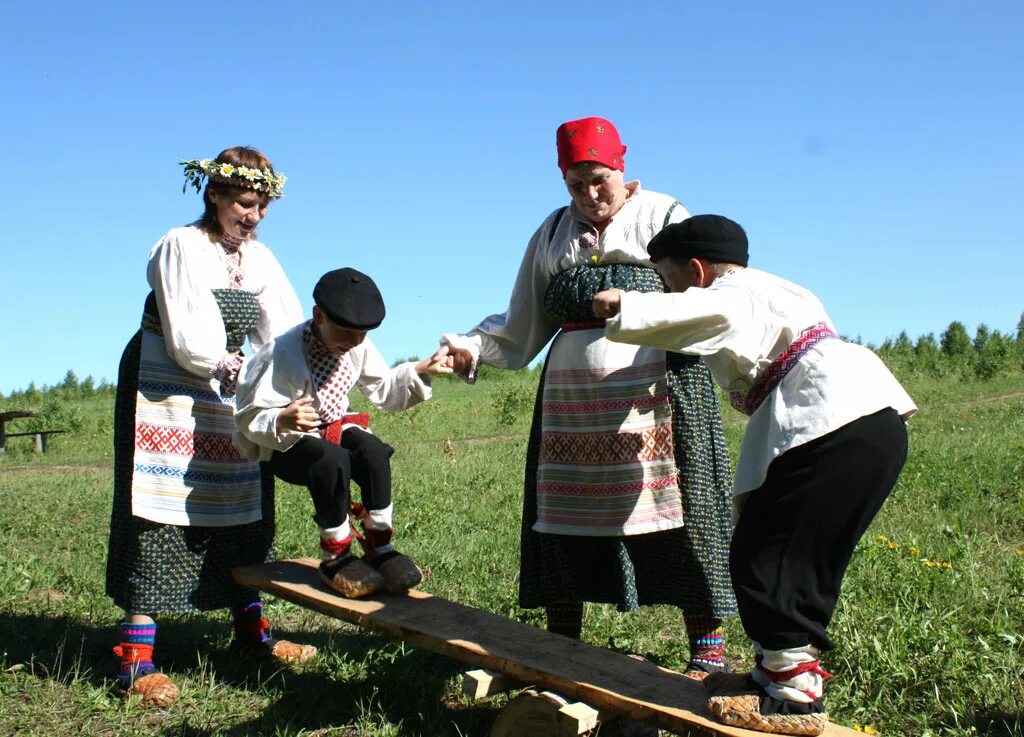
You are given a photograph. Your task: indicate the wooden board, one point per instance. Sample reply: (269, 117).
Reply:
(604, 679)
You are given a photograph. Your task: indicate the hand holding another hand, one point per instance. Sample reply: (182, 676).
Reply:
(439, 363)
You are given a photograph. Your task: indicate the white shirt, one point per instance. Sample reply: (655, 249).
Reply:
(184, 266)
(278, 374)
(740, 324)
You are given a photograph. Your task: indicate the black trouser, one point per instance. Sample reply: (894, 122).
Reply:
(797, 532)
(327, 470)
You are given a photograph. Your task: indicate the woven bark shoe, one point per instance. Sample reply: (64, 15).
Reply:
(290, 653)
(399, 572)
(154, 689)
(745, 710)
(353, 578)
(279, 652)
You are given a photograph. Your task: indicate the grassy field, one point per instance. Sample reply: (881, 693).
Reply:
(930, 629)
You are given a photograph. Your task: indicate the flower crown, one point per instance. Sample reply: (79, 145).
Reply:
(240, 176)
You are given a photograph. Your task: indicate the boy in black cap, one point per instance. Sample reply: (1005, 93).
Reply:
(293, 413)
(823, 448)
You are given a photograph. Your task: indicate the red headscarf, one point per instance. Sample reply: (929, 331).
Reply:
(589, 139)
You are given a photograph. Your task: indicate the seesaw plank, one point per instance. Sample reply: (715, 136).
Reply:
(604, 679)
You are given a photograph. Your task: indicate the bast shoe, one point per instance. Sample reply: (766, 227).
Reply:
(399, 572)
(290, 653)
(351, 577)
(283, 653)
(153, 689)
(762, 713)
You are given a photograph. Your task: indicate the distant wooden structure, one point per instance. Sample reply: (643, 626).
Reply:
(40, 435)
(589, 684)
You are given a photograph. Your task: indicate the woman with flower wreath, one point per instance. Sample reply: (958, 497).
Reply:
(187, 507)
(627, 493)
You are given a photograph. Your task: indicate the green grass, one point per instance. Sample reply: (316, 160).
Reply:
(930, 627)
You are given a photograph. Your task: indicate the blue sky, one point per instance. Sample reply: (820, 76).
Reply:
(872, 150)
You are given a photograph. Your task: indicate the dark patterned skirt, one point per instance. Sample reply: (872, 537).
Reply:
(153, 567)
(687, 567)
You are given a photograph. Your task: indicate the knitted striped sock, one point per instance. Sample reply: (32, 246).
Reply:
(565, 619)
(136, 651)
(707, 640)
(251, 628)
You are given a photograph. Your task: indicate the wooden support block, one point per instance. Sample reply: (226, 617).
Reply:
(481, 684)
(579, 718)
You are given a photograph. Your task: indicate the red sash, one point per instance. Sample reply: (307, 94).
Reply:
(766, 383)
(332, 432)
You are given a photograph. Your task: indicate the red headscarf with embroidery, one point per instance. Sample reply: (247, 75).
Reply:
(589, 139)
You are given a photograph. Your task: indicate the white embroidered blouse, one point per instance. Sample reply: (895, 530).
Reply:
(739, 325)
(514, 338)
(184, 266)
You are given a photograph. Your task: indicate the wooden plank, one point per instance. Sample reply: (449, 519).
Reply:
(606, 680)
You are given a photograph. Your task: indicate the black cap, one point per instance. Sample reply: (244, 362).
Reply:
(713, 237)
(350, 299)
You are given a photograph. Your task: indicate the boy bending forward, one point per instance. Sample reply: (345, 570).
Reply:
(824, 445)
(293, 414)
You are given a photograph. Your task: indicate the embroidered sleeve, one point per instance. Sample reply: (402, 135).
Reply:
(226, 374)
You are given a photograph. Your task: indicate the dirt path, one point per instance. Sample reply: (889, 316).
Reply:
(96, 465)
(997, 398)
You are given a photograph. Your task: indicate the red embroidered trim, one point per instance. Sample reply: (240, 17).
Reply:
(583, 325)
(776, 372)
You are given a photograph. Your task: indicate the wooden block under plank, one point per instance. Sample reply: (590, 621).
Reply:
(480, 684)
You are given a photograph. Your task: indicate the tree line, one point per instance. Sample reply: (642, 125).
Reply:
(955, 354)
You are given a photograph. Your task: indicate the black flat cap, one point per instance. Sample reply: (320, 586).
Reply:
(350, 299)
(713, 237)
